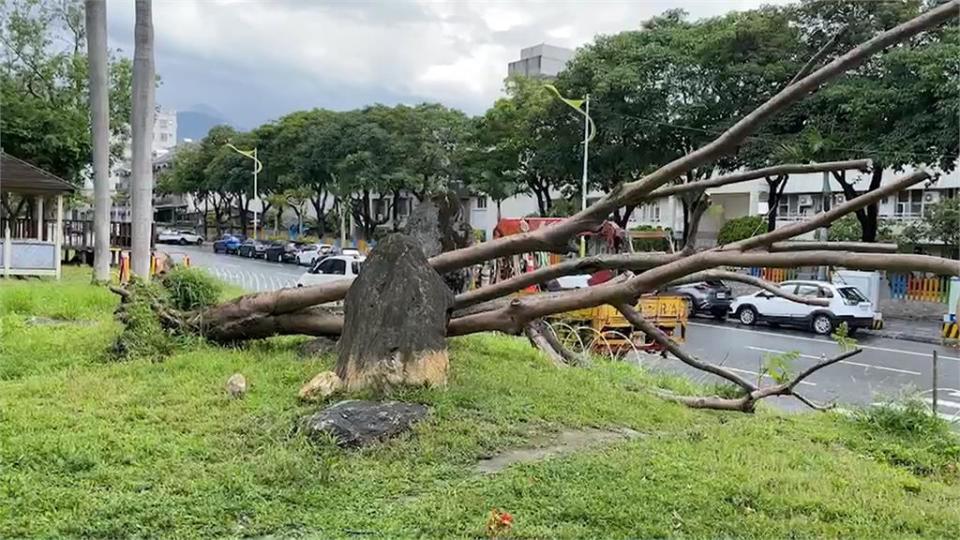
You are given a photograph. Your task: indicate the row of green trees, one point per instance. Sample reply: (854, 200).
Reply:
(656, 93)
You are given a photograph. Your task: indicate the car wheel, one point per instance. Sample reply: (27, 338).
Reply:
(182, 241)
(747, 315)
(200, 241)
(822, 324)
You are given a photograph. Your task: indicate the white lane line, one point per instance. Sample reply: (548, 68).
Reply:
(943, 403)
(754, 373)
(848, 362)
(824, 341)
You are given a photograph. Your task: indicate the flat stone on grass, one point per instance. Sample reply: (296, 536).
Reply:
(359, 423)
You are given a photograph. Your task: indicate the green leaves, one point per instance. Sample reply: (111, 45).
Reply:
(43, 86)
(778, 366)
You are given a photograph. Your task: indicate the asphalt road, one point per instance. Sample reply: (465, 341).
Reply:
(254, 275)
(887, 368)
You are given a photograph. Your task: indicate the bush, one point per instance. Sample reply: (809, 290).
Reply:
(911, 418)
(191, 288)
(143, 336)
(741, 228)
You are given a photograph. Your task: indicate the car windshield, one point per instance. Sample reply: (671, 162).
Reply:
(852, 295)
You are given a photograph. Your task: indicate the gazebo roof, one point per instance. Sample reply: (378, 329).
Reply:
(18, 176)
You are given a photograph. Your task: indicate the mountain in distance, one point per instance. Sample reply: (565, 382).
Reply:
(196, 121)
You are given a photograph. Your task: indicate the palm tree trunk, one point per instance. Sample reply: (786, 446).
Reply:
(144, 87)
(96, 21)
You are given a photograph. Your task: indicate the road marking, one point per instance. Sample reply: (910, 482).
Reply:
(943, 403)
(748, 372)
(848, 362)
(824, 341)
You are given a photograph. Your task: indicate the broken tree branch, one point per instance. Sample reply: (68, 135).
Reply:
(557, 236)
(818, 57)
(748, 402)
(744, 176)
(773, 289)
(855, 247)
(566, 268)
(648, 328)
(826, 218)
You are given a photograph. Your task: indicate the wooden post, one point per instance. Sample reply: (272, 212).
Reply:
(934, 401)
(39, 216)
(7, 250)
(58, 237)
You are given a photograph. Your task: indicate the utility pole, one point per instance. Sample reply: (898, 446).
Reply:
(822, 233)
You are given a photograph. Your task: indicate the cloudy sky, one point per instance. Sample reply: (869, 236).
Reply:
(255, 60)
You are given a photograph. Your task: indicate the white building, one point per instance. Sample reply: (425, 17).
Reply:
(802, 198)
(541, 61)
(164, 139)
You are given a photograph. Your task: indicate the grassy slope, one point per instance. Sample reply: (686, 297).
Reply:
(97, 448)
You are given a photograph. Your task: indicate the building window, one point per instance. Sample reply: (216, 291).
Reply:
(164, 137)
(481, 203)
(163, 123)
(909, 204)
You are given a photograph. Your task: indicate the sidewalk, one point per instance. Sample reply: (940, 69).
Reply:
(923, 331)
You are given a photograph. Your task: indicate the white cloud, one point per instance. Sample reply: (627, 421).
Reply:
(453, 52)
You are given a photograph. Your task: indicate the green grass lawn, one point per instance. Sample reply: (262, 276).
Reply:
(98, 448)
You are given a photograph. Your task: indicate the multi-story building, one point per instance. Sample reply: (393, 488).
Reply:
(540, 61)
(802, 198)
(164, 140)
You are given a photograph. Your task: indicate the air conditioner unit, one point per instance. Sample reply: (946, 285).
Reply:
(928, 197)
(839, 199)
(805, 200)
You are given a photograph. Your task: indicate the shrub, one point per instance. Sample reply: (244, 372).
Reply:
(143, 336)
(911, 418)
(741, 228)
(191, 288)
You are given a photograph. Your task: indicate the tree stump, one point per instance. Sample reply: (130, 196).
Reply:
(395, 321)
(437, 224)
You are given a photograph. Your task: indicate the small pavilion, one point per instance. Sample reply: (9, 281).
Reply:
(31, 246)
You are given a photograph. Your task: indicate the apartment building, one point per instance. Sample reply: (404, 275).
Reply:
(802, 198)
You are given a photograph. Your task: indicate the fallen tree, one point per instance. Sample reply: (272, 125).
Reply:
(300, 311)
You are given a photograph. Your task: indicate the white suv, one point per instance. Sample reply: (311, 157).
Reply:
(332, 268)
(846, 304)
(179, 237)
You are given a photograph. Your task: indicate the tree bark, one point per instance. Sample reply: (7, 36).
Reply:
(96, 27)
(144, 87)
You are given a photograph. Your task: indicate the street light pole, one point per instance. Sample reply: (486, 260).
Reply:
(257, 166)
(256, 194)
(583, 193)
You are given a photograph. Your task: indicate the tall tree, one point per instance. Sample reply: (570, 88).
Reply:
(144, 87)
(44, 86)
(660, 92)
(96, 21)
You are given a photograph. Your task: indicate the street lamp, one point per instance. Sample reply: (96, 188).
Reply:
(589, 131)
(257, 167)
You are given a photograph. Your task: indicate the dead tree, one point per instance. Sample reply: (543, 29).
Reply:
(298, 311)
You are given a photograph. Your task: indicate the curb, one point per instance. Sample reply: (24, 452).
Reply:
(933, 340)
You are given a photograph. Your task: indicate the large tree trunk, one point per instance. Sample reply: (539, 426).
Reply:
(96, 23)
(395, 321)
(144, 87)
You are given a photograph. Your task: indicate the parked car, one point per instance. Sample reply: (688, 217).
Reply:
(290, 252)
(846, 304)
(227, 243)
(708, 297)
(332, 268)
(273, 251)
(310, 254)
(252, 249)
(183, 238)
